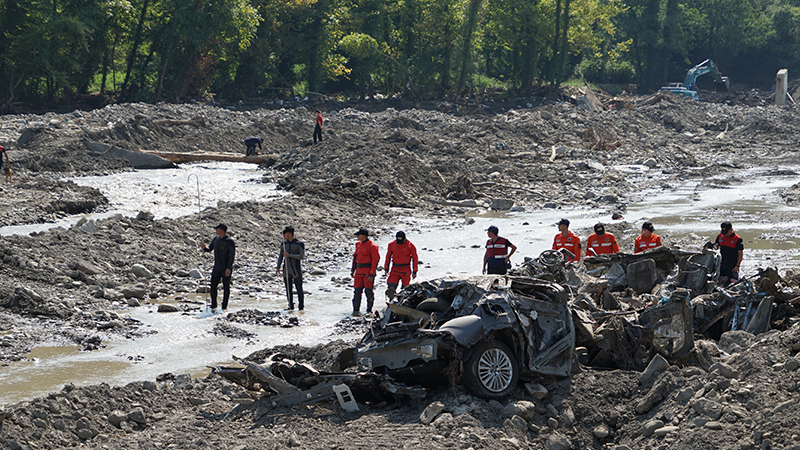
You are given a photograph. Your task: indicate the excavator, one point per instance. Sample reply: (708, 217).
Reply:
(687, 88)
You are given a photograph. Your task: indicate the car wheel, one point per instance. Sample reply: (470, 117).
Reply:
(491, 371)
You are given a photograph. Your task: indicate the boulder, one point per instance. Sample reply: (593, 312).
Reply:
(167, 308)
(642, 275)
(522, 408)
(137, 291)
(196, 273)
(724, 369)
(137, 415)
(536, 390)
(141, 271)
(501, 204)
(708, 408)
(138, 160)
(650, 162)
(430, 413)
(85, 267)
(657, 364)
(601, 431)
(650, 427)
(116, 418)
(557, 441)
(89, 227)
(145, 215)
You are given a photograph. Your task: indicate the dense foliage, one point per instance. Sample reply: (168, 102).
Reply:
(177, 50)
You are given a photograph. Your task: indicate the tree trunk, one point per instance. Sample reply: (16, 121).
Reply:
(137, 41)
(562, 62)
(470, 22)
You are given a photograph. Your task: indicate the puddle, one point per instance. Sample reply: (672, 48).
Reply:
(447, 247)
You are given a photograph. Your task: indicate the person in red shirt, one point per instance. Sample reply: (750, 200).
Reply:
(567, 240)
(601, 243)
(318, 127)
(365, 263)
(403, 256)
(497, 259)
(731, 249)
(647, 240)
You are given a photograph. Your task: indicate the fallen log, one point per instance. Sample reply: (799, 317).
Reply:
(179, 158)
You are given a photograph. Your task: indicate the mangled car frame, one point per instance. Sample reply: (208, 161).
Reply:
(487, 332)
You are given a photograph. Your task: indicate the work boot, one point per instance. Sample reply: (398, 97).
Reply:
(390, 293)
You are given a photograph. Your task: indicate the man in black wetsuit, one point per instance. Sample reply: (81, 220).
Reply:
(731, 248)
(291, 253)
(224, 251)
(251, 144)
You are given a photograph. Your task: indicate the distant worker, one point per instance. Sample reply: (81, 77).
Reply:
(497, 259)
(318, 127)
(224, 252)
(365, 263)
(251, 144)
(7, 169)
(403, 256)
(291, 253)
(601, 243)
(731, 248)
(567, 240)
(647, 240)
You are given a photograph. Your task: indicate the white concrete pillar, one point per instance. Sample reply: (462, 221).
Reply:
(781, 85)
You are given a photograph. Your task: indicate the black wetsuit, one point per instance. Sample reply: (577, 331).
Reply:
(224, 252)
(251, 144)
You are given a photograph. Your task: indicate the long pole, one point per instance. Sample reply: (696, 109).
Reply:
(200, 233)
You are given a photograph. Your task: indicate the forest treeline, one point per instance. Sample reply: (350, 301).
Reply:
(54, 51)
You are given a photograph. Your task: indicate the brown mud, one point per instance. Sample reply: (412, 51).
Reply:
(377, 162)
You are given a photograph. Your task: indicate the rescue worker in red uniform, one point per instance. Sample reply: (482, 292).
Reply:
(567, 240)
(497, 259)
(601, 243)
(731, 249)
(365, 263)
(403, 256)
(647, 240)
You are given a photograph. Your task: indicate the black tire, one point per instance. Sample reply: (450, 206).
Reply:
(491, 371)
(433, 304)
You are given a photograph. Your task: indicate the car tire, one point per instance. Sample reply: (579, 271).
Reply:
(491, 371)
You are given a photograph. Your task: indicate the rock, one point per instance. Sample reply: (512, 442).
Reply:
(89, 227)
(684, 395)
(713, 425)
(601, 431)
(501, 204)
(610, 198)
(552, 423)
(732, 341)
(116, 418)
(196, 273)
(413, 142)
(197, 401)
(557, 441)
(445, 420)
(663, 431)
(616, 216)
(522, 408)
(568, 415)
(86, 433)
(519, 422)
(493, 159)
(85, 267)
(141, 271)
(137, 415)
(791, 364)
(350, 136)
(137, 291)
(110, 324)
(536, 390)
(545, 115)
(145, 215)
(316, 272)
(642, 275)
(650, 162)
(430, 413)
(167, 308)
(724, 369)
(708, 408)
(650, 427)
(657, 364)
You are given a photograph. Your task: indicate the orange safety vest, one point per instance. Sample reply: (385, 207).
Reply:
(572, 243)
(602, 245)
(646, 243)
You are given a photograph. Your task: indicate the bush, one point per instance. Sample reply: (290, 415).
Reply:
(599, 71)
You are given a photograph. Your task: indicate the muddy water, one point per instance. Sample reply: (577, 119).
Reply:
(447, 247)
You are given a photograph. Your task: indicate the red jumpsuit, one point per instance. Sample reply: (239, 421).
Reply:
(365, 262)
(572, 243)
(602, 245)
(402, 256)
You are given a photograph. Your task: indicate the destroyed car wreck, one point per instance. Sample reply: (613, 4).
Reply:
(547, 318)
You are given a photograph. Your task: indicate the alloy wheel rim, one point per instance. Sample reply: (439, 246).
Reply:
(495, 370)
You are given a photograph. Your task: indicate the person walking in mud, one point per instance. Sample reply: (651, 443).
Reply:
(291, 253)
(567, 240)
(403, 256)
(7, 169)
(251, 143)
(318, 127)
(224, 252)
(365, 263)
(497, 259)
(648, 240)
(731, 250)
(601, 242)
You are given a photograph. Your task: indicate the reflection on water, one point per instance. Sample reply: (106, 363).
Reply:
(447, 247)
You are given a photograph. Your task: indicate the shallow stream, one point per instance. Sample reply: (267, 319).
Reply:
(447, 246)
